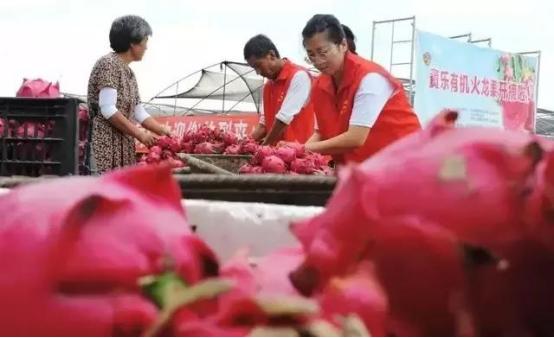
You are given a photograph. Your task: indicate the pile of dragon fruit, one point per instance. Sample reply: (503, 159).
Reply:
(164, 151)
(33, 131)
(289, 158)
(446, 232)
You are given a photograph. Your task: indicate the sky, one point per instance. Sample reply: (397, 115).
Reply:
(61, 40)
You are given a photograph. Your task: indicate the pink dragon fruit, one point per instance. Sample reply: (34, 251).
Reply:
(273, 164)
(156, 150)
(153, 158)
(246, 169)
(304, 166)
(81, 254)
(167, 154)
(261, 153)
(205, 148)
(233, 149)
(469, 169)
(229, 139)
(187, 147)
(257, 170)
(249, 147)
(164, 142)
(298, 148)
(359, 293)
(477, 188)
(38, 88)
(287, 154)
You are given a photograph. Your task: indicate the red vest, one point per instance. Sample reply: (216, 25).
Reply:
(302, 126)
(334, 108)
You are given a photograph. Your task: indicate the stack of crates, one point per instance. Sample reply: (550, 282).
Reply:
(39, 136)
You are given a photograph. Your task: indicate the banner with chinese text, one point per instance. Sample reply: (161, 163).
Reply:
(488, 87)
(240, 124)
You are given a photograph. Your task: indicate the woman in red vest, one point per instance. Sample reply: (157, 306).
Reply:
(287, 111)
(360, 107)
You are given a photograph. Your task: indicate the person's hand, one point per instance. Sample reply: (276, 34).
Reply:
(166, 131)
(148, 139)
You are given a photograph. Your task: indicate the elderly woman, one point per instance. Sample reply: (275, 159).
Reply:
(114, 99)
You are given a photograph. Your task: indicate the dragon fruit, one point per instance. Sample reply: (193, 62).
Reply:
(187, 147)
(299, 149)
(359, 293)
(249, 147)
(80, 255)
(233, 149)
(273, 164)
(262, 153)
(246, 169)
(2, 126)
(167, 154)
(164, 142)
(287, 154)
(271, 271)
(153, 158)
(38, 88)
(205, 148)
(482, 189)
(303, 166)
(31, 130)
(229, 139)
(257, 170)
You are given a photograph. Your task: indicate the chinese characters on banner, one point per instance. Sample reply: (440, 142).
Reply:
(488, 87)
(505, 91)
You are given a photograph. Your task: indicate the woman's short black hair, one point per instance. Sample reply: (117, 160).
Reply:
(126, 30)
(350, 38)
(320, 23)
(259, 46)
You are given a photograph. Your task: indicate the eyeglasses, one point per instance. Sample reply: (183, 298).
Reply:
(321, 53)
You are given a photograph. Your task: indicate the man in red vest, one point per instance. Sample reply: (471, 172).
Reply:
(287, 110)
(360, 107)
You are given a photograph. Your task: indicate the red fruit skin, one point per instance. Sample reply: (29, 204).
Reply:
(273, 164)
(287, 154)
(63, 258)
(303, 166)
(232, 150)
(359, 293)
(262, 152)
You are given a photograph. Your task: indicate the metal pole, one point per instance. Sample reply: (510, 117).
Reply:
(372, 39)
(488, 41)
(391, 47)
(175, 104)
(395, 20)
(412, 62)
(468, 35)
(181, 79)
(537, 91)
(224, 85)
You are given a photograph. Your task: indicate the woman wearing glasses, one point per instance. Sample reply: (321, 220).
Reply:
(360, 107)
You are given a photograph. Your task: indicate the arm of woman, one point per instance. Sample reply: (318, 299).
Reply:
(107, 102)
(354, 137)
(148, 122)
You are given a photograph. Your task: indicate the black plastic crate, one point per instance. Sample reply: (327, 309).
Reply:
(38, 137)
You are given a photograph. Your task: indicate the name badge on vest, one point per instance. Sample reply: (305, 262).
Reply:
(344, 107)
(281, 97)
